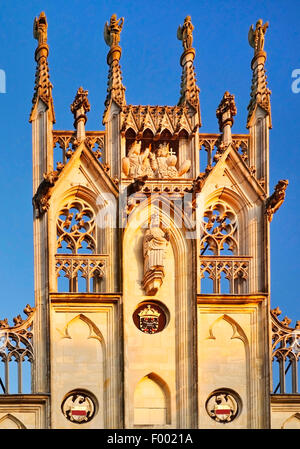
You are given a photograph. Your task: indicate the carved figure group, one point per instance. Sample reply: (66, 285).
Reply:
(160, 164)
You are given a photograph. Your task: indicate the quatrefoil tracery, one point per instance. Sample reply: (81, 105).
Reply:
(219, 229)
(76, 227)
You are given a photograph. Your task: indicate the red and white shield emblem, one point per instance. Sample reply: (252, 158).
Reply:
(223, 412)
(79, 413)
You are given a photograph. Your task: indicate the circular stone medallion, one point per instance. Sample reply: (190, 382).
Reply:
(150, 318)
(79, 406)
(223, 405)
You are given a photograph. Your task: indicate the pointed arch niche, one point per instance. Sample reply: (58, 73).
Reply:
(177, 341)
(293, 422)
(9, 421)
(152, 402)
(227, 343)
(225, 260)
(83, 359)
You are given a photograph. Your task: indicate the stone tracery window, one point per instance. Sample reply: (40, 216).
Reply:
(17, 354)
(222, 269)
(76, 258)
(219, 230)
(76, 228)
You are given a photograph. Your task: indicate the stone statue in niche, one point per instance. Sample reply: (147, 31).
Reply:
(161, 164)
(155, 243)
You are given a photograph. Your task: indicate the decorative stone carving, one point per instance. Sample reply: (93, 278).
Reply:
(260, 94)
(154, 246)
(164, 164)
(89, 268)
(161, 164)
(80, 106)
(40, 29)
(112, 31)
(76, 226)
(286, 351)
(79, 407)
(41, 198)
(223, 406)
(185, 33)
(256, 38)
(274, 202)
(136, 164)
(226, 111)
(175, 119)
(16, 345)
(43, 86)
(150, 318)
(233, 268)
(115, 88)
(219, 228)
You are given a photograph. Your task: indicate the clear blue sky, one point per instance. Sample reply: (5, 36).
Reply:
(151, 74)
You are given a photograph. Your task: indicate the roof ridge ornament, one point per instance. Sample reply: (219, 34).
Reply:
(43, 86)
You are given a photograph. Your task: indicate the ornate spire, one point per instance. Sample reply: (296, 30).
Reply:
(189, 93)
(43, 86)
(225, 113)
(115, 89)
(79, 107)
(260, 94)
